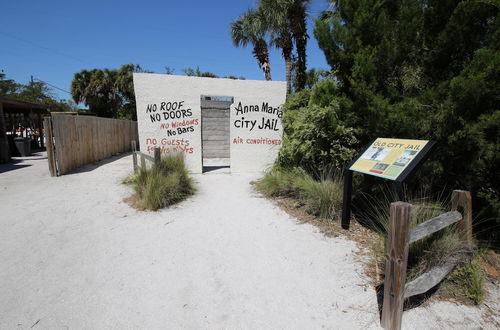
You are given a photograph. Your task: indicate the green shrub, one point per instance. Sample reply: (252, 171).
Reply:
(298, 100)
(467, 281)
(162, 185)
(323, 93)
(315, 139)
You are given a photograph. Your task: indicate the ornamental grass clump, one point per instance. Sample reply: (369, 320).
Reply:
(321, 197)
(162, 185)
(280, 182)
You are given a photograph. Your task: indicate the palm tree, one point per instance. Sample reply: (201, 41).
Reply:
(79, 86)
(297, 19)
(282, 39)
(286, 22)
(125, 85)
(107, 93)
(98, 90)
(250, 28)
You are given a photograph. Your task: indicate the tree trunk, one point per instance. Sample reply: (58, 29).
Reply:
(301, 63)
(261, 53)
(288, 74)
(266, 67)
(299, 32)
(286, 45)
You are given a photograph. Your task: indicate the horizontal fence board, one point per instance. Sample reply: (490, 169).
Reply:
(433, 225)
(215, 150)
(207, 131)
(215, 122)
(428, 280)
(216, 155)
(215, 114)
(216, 143)
(211, 104)
(222, 138)
(146, 156)
(210, 150)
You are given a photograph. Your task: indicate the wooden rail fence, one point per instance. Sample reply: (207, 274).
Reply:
(155, 160)
(400, 236)
(74, 141)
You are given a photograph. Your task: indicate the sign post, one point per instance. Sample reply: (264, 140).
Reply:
(391, 159)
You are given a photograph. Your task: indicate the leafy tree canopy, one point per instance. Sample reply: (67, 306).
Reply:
(107, 93)
(34, 91)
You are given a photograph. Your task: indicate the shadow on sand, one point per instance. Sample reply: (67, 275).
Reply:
(16, 163)
(12, 165)
(93, 166)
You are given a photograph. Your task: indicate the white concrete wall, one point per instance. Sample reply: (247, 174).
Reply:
(256, 136)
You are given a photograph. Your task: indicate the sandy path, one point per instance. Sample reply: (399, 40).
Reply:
(73, 255)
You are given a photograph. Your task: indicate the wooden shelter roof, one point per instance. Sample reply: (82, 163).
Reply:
(13, 105)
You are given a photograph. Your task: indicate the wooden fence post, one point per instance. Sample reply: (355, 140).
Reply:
(134, 156)
(143, 162)
(395, 269)
(47, 125)
(157, 156)
(462, 199)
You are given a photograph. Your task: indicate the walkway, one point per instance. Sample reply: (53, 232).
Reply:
(73, 255)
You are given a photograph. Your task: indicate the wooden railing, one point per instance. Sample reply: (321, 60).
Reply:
(143, 157)
(400, 236)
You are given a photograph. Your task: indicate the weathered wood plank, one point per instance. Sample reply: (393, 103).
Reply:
(157, 156)
(216, 145)
(134, 156)
(427, 281)
(215, 137)
(397, 259)
(47, 125)
(433, 225)
(60, 143)
(145, 156)
(215, 114)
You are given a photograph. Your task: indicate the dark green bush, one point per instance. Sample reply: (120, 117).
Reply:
(323, 93)
(314, 139)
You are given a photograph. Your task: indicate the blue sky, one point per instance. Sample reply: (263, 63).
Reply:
(52, 40)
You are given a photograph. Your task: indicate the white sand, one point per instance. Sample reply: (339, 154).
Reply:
(74, 255)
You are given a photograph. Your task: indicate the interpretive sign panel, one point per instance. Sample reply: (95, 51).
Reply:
(389, 158)
(392, 159)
